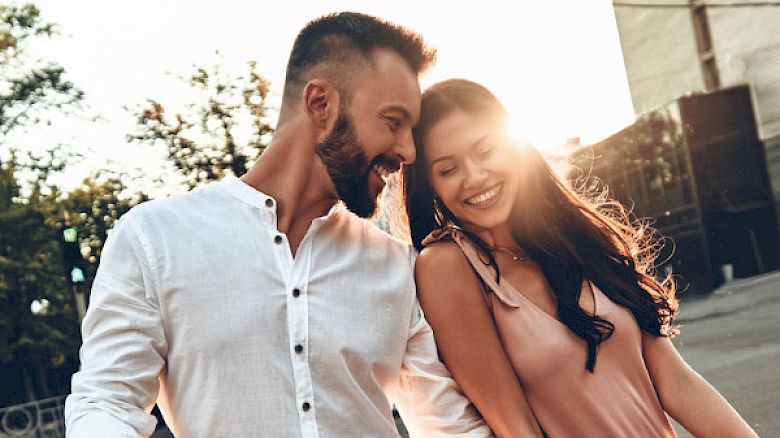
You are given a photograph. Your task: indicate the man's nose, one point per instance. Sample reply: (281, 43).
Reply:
(405, 147)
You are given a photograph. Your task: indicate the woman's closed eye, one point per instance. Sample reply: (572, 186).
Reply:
(447, 171)
(485, 151)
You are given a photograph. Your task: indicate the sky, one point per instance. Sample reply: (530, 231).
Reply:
(555, 64)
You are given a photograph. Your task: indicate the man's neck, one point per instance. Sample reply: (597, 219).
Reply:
(291, 173)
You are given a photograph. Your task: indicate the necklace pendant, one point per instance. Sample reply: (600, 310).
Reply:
(513, 255)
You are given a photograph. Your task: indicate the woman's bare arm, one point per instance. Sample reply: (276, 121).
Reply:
(453, 301)
(687, 397)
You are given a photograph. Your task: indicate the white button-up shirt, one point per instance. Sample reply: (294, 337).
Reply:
(199, 304)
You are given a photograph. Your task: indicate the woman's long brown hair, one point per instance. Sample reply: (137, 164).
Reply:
(573, 235)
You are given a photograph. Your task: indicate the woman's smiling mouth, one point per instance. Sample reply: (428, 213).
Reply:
(483, 199)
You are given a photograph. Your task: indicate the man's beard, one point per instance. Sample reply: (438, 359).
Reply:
(348, 167)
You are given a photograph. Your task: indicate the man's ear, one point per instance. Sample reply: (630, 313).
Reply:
(321, 103)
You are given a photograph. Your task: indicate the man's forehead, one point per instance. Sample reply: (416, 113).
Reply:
(391, 84)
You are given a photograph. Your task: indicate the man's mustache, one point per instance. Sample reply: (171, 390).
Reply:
(393, 164)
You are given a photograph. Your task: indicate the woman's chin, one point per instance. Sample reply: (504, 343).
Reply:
(486, 222)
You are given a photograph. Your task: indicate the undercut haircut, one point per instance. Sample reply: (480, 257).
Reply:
(335, 46)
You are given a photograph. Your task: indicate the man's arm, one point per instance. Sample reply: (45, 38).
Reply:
(430, 402)
(124, 344)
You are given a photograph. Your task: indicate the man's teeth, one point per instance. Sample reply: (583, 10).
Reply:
(484, 197)
(382, 171)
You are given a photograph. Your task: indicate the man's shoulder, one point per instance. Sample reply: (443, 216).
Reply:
(375, 244)
(189, 205)
(376, 237)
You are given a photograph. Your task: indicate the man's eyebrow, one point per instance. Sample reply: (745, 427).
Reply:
(401, 109)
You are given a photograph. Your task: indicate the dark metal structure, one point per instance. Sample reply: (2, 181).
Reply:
(698, 168)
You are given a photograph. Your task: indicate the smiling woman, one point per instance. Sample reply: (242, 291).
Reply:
(542, 297)
(472, 175)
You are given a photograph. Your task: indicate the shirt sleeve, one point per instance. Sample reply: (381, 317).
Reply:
(428, 399)
(124, 344)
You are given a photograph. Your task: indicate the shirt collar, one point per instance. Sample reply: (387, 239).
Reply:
(246, 193)
(256, 198)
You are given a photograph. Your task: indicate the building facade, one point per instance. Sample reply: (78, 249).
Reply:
(696, 167)
(672, 48)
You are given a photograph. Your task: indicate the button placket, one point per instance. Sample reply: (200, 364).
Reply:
(298, 312)
(298, 295)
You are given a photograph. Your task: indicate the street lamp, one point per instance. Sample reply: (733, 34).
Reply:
(74, 261)
(39, 307)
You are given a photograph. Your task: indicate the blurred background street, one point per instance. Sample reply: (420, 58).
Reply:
(732, 338)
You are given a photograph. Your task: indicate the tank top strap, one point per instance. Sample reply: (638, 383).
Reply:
(477, 261)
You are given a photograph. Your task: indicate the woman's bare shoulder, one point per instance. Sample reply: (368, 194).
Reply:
(442, 267)
(442, 255)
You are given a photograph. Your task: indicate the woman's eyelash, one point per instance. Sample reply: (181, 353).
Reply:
(486, 151)
(448, 171)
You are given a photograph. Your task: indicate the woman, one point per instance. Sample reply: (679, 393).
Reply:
(543, 303)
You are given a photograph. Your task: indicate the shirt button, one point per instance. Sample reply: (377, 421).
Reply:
(299, 348)
(278, 239)
(305, 406)
(269, 202)
(296, 292)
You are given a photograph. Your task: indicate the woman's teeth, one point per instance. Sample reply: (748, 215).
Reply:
(484, 197)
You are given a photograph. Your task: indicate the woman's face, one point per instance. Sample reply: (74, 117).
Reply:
(472, 167)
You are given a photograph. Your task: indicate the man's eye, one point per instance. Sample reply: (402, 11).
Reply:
(393, 123)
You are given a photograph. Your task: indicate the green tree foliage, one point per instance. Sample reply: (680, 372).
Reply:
(95, 207)
(37, 351)
(39, 327)
(221, 134)
(28, 87)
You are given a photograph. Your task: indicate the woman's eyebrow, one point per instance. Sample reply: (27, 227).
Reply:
(473, 145)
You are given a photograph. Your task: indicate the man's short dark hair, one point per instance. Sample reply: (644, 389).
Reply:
(345, 41)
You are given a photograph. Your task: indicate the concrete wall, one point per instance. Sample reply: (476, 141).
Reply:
(662, 62)
(747, 46)
(659, 51)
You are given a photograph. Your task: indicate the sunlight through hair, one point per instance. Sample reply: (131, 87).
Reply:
(516, 131)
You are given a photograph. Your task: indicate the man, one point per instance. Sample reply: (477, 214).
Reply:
(260, 307)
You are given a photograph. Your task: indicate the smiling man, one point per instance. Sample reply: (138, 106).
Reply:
(261, 306)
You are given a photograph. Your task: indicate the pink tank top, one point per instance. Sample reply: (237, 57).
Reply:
(616, 400)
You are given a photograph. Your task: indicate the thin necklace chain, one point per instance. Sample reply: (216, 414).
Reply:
(516, 256)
